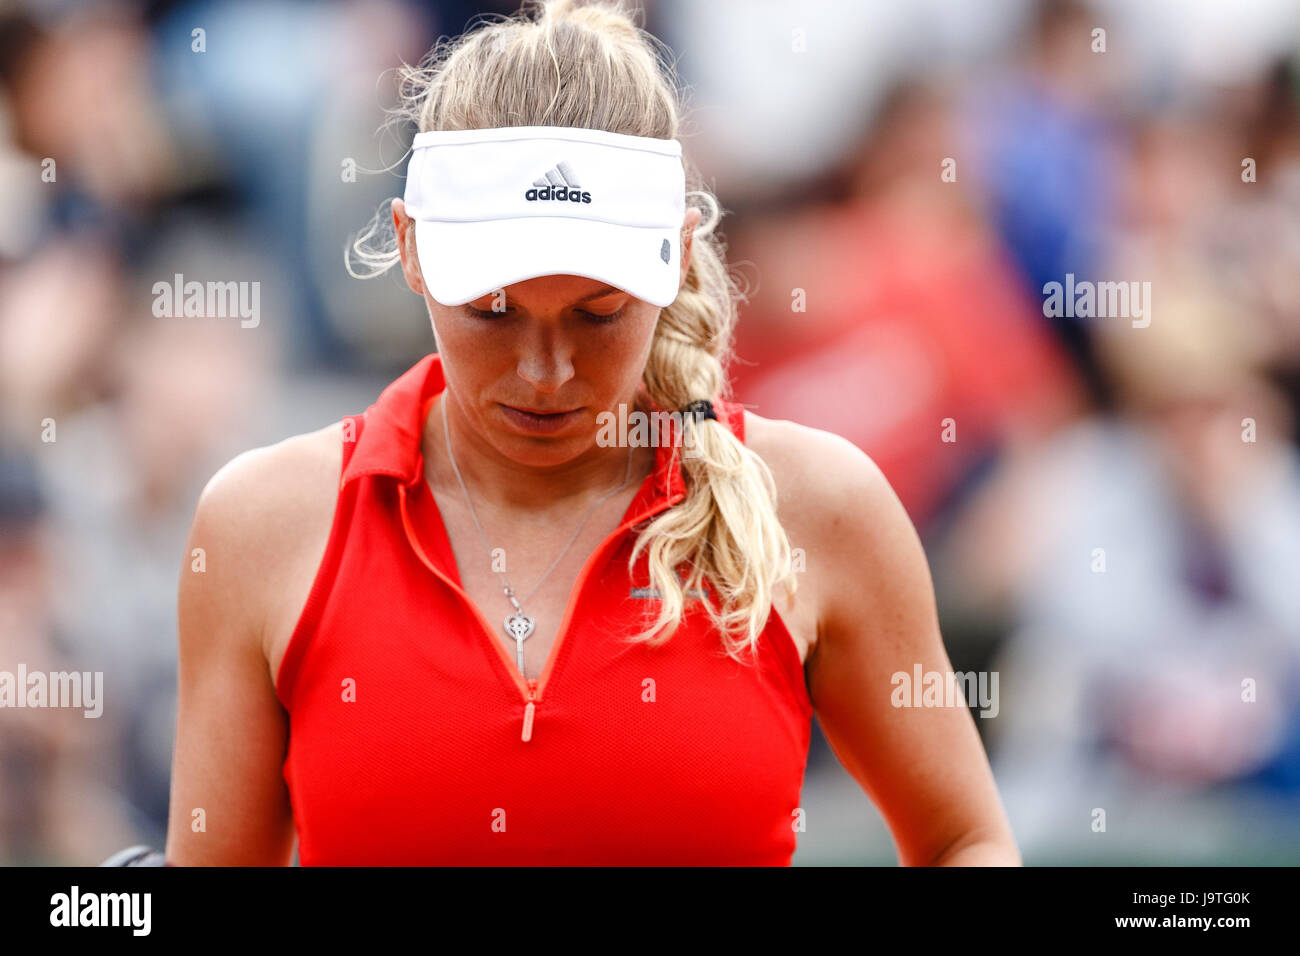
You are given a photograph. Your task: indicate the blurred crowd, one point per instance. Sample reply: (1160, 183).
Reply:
(1111, 505)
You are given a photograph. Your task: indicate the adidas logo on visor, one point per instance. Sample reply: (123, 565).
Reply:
(558, 184)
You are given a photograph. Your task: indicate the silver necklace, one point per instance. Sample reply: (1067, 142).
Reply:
(520, 625)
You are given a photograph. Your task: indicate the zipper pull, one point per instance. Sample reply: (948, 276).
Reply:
(529, 709)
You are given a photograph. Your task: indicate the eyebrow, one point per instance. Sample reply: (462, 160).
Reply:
(596, 295)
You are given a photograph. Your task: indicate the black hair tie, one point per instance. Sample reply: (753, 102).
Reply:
(701, 408)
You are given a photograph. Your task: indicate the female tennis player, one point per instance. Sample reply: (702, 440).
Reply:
(490, 621)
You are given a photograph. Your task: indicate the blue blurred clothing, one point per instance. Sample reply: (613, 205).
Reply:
(1050, 170)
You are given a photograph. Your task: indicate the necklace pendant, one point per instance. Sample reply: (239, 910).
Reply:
(519, 627)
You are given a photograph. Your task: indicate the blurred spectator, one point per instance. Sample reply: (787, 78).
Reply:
(285, 93)
(1043, 146)
(914, 316)
(59, 802)
(58, 310)
(1255, 239)
(182, 396)
(1145, 566)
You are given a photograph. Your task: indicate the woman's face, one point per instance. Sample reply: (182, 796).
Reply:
(557, 343)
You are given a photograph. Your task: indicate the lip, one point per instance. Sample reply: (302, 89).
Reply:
(537, 422)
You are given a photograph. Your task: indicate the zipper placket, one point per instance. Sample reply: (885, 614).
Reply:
(530, 690)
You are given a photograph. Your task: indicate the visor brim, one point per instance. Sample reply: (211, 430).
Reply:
(463, 261)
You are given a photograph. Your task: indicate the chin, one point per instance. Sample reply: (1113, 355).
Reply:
(544, 452)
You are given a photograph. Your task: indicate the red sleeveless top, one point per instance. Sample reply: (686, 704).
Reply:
(414, 740)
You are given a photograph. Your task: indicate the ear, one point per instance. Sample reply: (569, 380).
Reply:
(404, 228)
(692, 220)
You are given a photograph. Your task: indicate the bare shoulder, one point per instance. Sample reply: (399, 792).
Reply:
(263, 492)
(822, 479)
(858, 545)
(263, 521)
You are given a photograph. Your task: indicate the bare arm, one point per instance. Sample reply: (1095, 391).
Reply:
(923, 767)
(229, 801)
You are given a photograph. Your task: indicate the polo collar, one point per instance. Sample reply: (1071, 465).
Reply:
(389, 444)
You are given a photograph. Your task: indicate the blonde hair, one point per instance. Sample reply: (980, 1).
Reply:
(588, 65)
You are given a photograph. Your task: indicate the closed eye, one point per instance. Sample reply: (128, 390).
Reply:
(595, 317)
(604, 319)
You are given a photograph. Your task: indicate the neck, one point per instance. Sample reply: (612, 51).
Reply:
(503, 484)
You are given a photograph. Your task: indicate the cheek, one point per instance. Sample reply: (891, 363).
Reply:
(617, 354)
(479, 350)
(627, 338)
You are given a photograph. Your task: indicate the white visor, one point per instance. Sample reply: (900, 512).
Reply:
(498, 206)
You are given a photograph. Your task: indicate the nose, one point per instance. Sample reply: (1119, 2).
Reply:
(545, 359)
